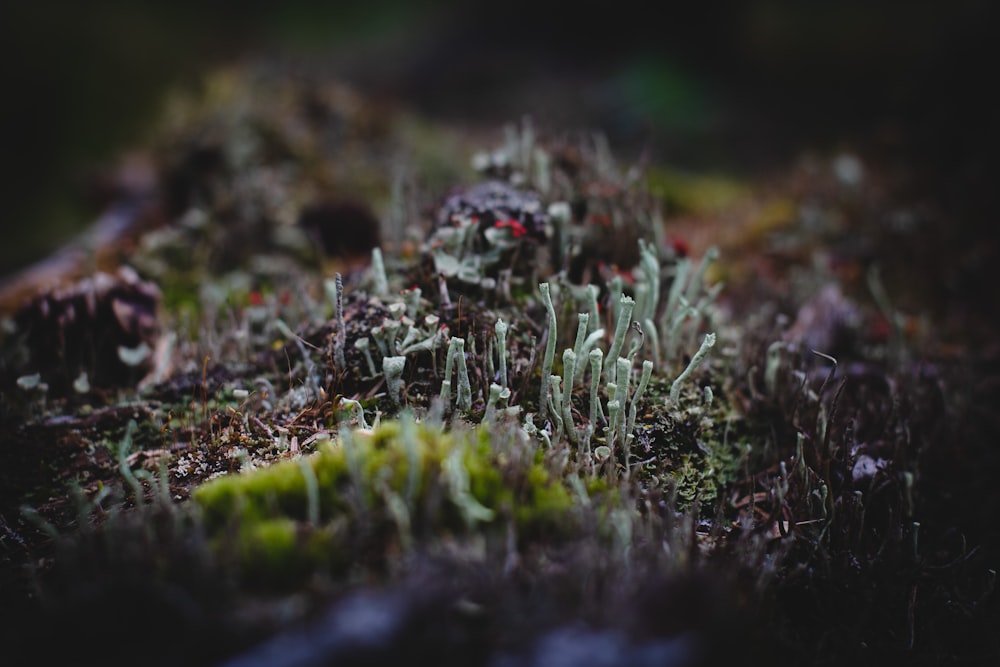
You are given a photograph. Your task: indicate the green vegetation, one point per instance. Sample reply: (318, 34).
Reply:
(531, 390)
(413, 480)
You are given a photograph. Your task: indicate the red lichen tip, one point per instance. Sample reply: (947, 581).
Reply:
(516, 228)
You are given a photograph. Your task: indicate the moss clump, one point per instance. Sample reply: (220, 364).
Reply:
(387, 487)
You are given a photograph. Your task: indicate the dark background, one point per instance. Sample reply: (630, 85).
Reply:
(733, 86)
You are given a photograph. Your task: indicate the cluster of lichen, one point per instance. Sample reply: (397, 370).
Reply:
(546, 378)
(532, 463)
(693, 452)
(568, 354)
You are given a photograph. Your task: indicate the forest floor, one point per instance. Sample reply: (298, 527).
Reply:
(229, 433)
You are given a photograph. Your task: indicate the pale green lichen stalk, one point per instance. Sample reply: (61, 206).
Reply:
(550, 351)
(500, 330)
(624, 321)
(569, 369)
(675, 388)
(378, 273)
(464, 399)
(393, 367)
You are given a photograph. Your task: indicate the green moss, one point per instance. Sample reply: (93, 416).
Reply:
(597, 486)
(283, 551)
(549, 499)
(361, 477)
(485, 482)
(268, 545)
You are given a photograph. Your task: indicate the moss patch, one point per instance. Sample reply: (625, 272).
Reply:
(399, 483)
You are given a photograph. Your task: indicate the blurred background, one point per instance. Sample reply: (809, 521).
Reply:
(740, 87)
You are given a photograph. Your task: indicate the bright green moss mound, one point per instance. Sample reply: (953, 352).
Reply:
(400, 482)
